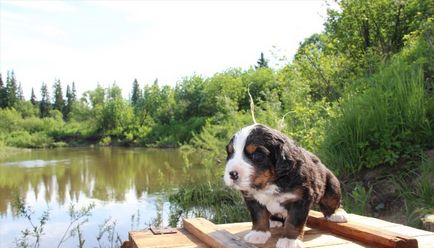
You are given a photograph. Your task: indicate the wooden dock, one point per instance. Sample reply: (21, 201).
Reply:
(360, 231)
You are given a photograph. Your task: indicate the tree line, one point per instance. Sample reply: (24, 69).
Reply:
(11, 96)
(367, 48)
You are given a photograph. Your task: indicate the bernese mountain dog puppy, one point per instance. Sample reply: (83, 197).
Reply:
(280, 182)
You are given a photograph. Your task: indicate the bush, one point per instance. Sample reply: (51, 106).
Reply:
(386, 122)
(213, 201)
(34, 140)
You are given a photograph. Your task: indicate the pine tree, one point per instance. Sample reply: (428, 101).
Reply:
(70, 99)
(11, 90)
(58, 101)
(262, 62)
(2, 93)
(44, 105)
(20, 94)
(74, 92)
(136, 93)
(33, 98)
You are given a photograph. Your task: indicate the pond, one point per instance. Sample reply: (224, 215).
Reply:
(128, 186)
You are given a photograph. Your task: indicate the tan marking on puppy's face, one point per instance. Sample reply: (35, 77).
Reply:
(251, 148)
(261, 178)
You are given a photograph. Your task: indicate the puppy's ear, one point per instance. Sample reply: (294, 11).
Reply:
(283, 161)
(288, 157)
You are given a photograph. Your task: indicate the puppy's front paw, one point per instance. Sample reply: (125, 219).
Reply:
(274, 223)
(257, 237)
(289, 243)
(340, 216)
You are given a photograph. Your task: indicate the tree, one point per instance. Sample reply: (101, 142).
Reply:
(114, 92)
(73, 92)
(369, 31)
(94, 97)
(2, 93)
(33, 98)
(68, 106)
(262, 62)
(70, 100)
(11, 90)
(20, 94)
(136, 94)
(45, 104)
(59, 102)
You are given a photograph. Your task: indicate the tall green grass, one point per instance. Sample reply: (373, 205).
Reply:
(213, 201)
(380, 125)
(416, 190)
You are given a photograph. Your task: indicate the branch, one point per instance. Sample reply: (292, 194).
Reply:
(252, 104)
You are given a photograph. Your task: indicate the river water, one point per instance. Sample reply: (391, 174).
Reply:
(129, 188)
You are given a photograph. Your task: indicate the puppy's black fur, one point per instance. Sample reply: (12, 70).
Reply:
(278, 161)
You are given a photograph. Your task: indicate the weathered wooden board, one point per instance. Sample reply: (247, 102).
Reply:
(213, 236)
(312, 237)
(364, 233)
(203, 233)
(184, 239)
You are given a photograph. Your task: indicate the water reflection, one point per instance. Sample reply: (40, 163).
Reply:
(122, 181)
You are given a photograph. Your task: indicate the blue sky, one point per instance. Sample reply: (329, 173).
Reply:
(98, 41)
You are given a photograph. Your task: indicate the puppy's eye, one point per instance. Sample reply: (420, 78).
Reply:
(258, 156)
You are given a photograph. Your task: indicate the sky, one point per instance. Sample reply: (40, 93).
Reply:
(101, 42)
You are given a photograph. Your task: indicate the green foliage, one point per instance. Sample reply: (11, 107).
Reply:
(31, 237)
(33, 98)
(415, 188)
(213, 201)
(357, 200)
(10, 92)
(3, 93)
(44, 104)
(58, 101)
(262, 62)
(29, 132)
(381, 124)
(70, 101)
(136, 95)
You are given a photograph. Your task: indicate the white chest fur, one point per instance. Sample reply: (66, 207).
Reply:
(272, 199)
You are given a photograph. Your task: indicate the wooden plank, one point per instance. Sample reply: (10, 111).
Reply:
(182, 239)
(426, 241)
(409, 231)
(312, 237)
(369, 236)
(213, 236)
(160, 231)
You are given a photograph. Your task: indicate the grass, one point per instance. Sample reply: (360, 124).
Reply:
(384, 123)
(415, 188)
(213, 201)
(356, 201)
(34, 234)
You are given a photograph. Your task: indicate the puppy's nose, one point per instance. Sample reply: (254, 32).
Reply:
(233, 175)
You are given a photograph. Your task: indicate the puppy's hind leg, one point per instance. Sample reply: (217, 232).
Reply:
(331, 201)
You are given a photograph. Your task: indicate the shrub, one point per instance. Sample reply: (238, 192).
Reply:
(213, 201)
(25, 139)
(378, 126)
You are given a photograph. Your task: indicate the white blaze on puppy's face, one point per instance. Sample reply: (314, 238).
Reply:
(237, 163)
